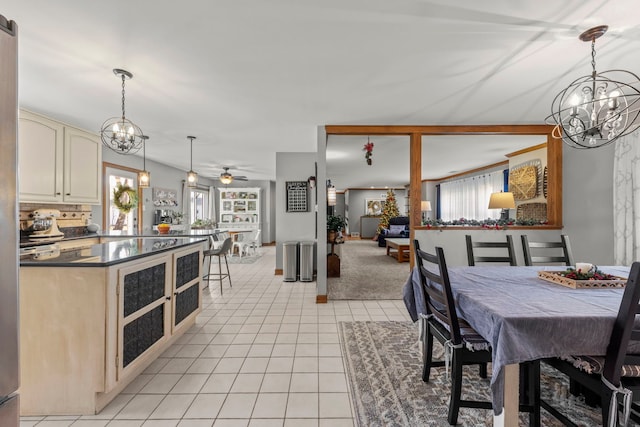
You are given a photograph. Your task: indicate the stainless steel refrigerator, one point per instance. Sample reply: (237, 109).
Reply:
(9, 372)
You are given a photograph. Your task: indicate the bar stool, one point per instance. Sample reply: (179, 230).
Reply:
(222, 251)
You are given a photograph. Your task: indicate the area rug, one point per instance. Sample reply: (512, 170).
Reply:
(384, 372)
(367, 273)
(245, 259)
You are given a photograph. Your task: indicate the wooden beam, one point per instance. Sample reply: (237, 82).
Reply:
(438, 130)
(415, 189)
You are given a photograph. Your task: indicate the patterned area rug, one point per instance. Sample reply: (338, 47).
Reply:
(245, 259)
(384, 371)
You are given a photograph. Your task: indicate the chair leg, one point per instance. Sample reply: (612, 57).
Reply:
(482, 370)
(228, 272)
(456, 389)
(532, 391)
(220, 273)
(207, 277)
(427, 352)
(605, 402)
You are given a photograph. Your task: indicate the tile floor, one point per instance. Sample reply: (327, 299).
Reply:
(263, 354)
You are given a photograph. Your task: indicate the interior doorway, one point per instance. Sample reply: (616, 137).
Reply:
(114, 219)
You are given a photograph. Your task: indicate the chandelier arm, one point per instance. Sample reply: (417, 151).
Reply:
(123, 115)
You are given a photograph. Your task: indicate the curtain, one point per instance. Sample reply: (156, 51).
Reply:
(626, 199)
(212, 204)
(186, 203)
(469, 197)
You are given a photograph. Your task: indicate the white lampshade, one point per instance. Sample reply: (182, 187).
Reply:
(425, 206)
(502, 200)
(331, 196)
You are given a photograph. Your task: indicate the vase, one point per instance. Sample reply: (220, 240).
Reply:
(369, 162)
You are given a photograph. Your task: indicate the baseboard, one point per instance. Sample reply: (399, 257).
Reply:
(278, 272)
(321, 299)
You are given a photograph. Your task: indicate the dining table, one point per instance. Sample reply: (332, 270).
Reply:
(526, 318)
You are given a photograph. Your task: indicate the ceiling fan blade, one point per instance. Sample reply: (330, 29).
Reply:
(240, 178)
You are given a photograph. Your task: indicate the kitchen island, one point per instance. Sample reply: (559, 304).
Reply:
(93, 319)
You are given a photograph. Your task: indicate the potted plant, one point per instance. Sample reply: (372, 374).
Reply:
(335, 223)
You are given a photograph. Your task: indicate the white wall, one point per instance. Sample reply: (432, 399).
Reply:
(587, 201)
(294, 226)
(168, 177)
(455, 248)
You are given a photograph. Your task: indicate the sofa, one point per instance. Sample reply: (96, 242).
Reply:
(398, 227)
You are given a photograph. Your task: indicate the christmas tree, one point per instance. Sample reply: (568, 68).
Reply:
(389, 211)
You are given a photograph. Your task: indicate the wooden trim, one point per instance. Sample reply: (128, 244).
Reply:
(106, 195)
(470, 171)
(321, 299)
(477, 227)
(278, 272)
(415, 190)
(375, 188)
(554, 153)
(527, 150)
(438, 130)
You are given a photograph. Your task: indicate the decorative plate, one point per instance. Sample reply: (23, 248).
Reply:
(523, 182)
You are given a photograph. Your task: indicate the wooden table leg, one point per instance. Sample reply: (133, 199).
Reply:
(509, 415)
(400, 253)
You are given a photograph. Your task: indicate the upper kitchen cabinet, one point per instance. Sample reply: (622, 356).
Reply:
(57, 163)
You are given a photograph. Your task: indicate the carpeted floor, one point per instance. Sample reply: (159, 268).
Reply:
(384, 372)
(367, 273)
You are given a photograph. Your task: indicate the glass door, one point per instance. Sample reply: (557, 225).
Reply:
(118, 218)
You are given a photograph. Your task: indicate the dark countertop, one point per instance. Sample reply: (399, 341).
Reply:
(107, 254)
(25, 242)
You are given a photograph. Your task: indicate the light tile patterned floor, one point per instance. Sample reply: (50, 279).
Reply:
(263, 354)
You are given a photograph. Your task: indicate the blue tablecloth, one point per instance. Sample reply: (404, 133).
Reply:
(526, 318)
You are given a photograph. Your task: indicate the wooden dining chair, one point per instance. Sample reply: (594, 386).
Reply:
(614, 375)
(457, 336)
(533, 251)
(473, 258)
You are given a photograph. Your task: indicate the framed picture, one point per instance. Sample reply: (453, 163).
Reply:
(297, 196)
(227, 218)
(226, 205)
(373, 207)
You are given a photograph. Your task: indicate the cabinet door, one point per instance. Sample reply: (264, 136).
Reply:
(40, 151)
(82, 161)
(187, 292)
(144, 312)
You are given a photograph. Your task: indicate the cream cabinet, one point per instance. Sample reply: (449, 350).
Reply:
(90, 331)
(57, 163)
(239, 209)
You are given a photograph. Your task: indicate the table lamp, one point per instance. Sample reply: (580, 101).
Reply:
(425, 206)
(504, 201)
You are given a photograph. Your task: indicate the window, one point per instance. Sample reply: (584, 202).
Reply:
(199, 204)
(469, 197)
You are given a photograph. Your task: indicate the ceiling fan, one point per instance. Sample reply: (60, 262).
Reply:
(226, 177)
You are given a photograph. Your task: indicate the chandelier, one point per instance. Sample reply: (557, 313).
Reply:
(192, 177)
(119, 133)
(597, 109)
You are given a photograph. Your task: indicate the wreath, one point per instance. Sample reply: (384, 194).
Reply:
(125, 198)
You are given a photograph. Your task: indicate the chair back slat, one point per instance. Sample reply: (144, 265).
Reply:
(436, 289)
(623, 329)
(563, 247)
(472, 258)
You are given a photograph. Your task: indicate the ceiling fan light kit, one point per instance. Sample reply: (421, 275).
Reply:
(225, 177)
(596, 109)
(119, 133)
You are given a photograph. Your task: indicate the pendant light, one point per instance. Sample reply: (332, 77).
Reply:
(192, 177)
(119, 133)
(596, 109)
(144, 177)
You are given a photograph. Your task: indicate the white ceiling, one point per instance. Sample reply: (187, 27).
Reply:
(251, 78)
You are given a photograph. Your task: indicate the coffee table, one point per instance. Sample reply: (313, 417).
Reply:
(401, 246)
